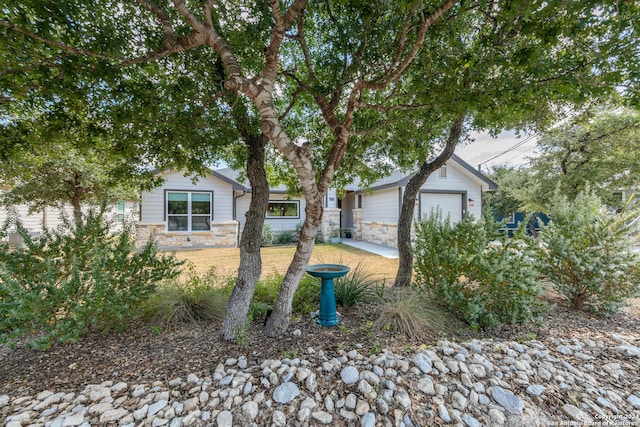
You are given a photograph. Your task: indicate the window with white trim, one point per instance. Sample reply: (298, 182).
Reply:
(283, 209)
(443, 171)
(189, 210)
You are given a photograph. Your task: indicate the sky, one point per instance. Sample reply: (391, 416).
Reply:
(507, 148)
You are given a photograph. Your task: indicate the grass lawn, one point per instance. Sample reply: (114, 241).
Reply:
(277, 258)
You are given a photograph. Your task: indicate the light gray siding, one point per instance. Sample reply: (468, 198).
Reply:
(382, 205)
(458, 180)
(153, 202)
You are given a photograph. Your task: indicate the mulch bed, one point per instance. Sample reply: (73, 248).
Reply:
(141, 355)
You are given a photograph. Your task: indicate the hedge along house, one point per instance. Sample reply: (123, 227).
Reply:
(372, 215)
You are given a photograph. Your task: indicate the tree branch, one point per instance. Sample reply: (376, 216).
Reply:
(394, 73)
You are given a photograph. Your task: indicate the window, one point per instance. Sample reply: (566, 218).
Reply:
(188, 211)
(359, 205)
(443, 171)
(282, 209)
(120, 212)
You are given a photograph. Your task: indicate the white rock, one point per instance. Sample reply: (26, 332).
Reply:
(425, 385)
(322, 417)
(423, 362)
(443, 413)
(509, 401)
(73, 420)
(250, 410)
(113, 415)
(403, 398)
(535, 389)
(367, 390)
(577, 414)
(634, 401)
(362, 407)
(350, 375)
(279, 419)
(368, 420)
(286, 392)
(156, 407)
(141, 412)
(628, 350)
(470, 421)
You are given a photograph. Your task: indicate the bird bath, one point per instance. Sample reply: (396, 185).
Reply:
(327, 272)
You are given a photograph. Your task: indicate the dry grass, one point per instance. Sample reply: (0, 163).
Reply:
(277, 258)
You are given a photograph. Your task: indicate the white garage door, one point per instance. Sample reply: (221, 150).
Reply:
(449, 204)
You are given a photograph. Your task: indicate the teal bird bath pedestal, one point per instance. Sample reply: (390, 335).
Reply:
(327, 272)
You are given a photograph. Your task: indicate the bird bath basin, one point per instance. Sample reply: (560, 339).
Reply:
(327, 272)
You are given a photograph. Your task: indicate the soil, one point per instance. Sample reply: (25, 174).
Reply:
(142, 355)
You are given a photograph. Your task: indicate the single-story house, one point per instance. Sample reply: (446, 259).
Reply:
(455, 189)
(210, 211)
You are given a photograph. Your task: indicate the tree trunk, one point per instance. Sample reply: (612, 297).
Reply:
(250, 266)
(405, 252)
(279, 320)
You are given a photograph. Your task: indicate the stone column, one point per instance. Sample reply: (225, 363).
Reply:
(330, 220)
(357, 223)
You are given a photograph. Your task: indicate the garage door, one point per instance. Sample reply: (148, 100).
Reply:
(449, 204)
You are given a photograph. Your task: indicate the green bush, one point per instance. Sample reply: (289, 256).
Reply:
(307, 296)
(267, 235)
(357, 286)
(485, 277)
(305, 299)
(189, 300)
(284, 238)
(586, 253)
(75, 278)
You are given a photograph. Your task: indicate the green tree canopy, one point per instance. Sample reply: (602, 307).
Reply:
(598, 149)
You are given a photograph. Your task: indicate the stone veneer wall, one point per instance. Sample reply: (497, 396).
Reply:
(380, 233)
(330, 217)
(222, 235)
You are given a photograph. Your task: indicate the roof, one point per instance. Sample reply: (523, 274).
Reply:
(232, 175)
(397, 178)
(401, 178)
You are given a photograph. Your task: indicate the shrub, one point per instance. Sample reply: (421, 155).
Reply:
(77, 277)
(284, 238)
(483, 276)
(307, 296)
(267, 235)
(185, 301)
(357, 286)
(305, 299)
(586, 253)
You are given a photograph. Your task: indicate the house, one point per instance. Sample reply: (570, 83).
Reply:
(210, 211)
(372, 214)
(52, 217)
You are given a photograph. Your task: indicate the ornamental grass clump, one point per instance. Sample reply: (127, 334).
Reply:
(357, 286)
(194, 298)
(405, 312)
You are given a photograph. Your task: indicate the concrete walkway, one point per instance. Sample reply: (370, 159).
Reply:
(370, 247)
